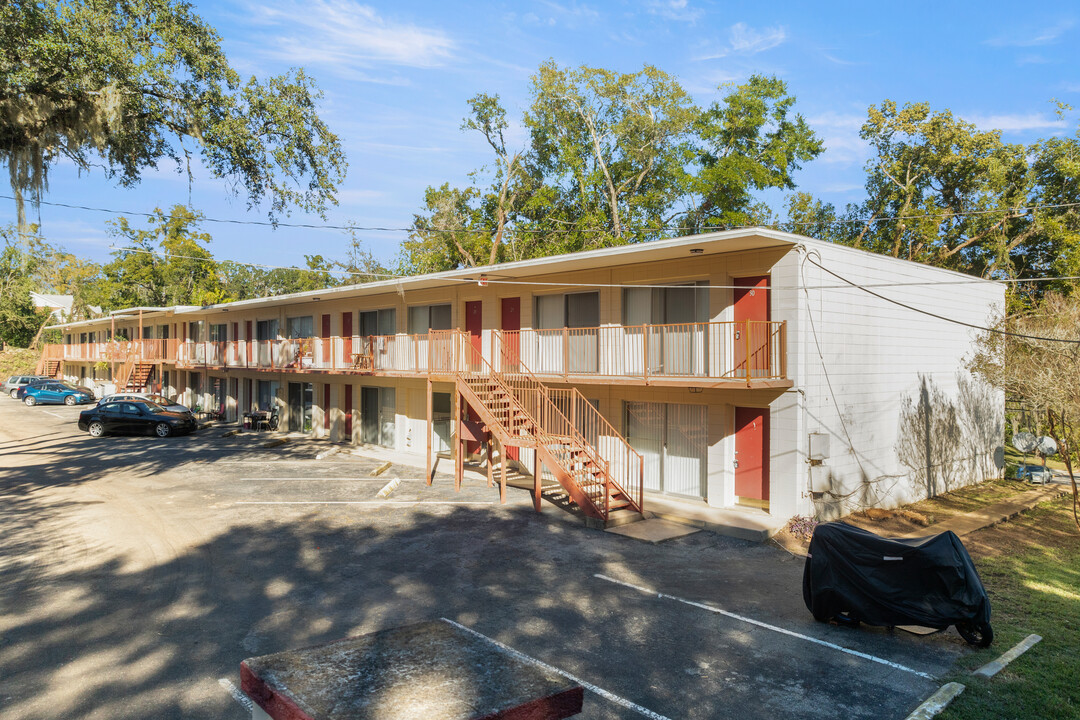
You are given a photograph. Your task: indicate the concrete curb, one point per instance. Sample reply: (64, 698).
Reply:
(992, 668)
(276, 443)
(381, 469)
(327, 453)
(936, 702)
(990, 515)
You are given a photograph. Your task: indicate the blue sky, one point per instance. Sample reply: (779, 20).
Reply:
(396, 78)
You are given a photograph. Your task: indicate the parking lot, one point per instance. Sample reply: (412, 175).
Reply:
(136, 573)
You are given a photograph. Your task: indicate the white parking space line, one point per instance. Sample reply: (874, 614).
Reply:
(238, 696)
(767, 626)
(49, 412)
(573, 678)
(361, 502)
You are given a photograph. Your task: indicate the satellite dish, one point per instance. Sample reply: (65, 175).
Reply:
(999, 457)
(1025, 442)
(1046, 446)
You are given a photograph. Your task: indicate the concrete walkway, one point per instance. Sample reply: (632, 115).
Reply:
(991, 514)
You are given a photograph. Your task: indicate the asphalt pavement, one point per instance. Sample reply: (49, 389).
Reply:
(137, 572)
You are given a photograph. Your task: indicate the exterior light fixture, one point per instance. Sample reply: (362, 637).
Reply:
(482, 281)
(697, 251)
(316, 299)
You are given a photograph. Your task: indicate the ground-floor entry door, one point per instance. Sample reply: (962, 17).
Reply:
(378, 408)
(752, 457)
(301, 398)
(673, 440)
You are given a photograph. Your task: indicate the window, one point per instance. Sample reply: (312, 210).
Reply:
(673, 440)
(577, 350)
(675, 338)
(378, 410)
(218, 333)
(377, 322)
(266, 330)
(301, 399)
(299, 327)
(424, 318)
(266, 395)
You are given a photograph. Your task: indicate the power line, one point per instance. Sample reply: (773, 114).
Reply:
(539, 283)
(154, 253)
(562, 231)
(940, 317)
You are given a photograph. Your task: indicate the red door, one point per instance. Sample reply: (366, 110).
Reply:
(752, 338)
(326, 405)
(474, 325)
(326, 340)
(248, 340)
(346, 339)
(752, 456)
(348, 407)
(510, 325)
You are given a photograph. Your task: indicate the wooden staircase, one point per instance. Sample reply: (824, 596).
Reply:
(139, 376)
(520, 411)
(53, 368)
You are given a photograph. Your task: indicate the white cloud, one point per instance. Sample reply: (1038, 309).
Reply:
(348, 38)
(679, 10)
(840, 134)
(1017, 122)
(1033, 37)
(745, 40)
(549, 13)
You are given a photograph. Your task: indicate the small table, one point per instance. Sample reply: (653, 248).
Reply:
(431, 670)
(255, 419)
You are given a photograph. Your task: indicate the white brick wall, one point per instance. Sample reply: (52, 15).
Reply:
(876, 354)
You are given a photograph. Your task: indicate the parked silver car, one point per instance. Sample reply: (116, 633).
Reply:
(13, 383)
(1034, 473)
(161, 400)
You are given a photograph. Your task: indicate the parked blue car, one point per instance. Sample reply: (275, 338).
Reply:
(1034, 473)
(55, 393)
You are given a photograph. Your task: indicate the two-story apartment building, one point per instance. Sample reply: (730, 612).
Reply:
(737, 369)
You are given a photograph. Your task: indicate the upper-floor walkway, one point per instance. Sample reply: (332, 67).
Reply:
(748, 353)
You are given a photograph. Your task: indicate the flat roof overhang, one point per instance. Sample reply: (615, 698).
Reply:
(727, 241)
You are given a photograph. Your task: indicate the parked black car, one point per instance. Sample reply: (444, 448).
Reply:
(138, 417)
(852, 575)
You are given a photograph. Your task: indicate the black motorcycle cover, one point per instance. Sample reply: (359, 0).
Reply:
(928, 581)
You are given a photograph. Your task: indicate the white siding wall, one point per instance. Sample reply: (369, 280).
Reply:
(877, 355)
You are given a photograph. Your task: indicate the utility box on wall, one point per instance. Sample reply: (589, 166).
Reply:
(819, 447)
(819, 472)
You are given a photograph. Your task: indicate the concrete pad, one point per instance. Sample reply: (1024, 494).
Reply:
(654, 530)
(743, 523)
(425, 670)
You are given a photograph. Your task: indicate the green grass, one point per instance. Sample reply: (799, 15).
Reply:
(1031, 569)
(17, 361)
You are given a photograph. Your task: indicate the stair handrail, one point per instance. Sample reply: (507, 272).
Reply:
(504, 354)
(459, 362)
(465, 353)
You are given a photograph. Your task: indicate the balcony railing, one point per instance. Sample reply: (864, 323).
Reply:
(749, 350)
(113, 351)
(717, 351)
